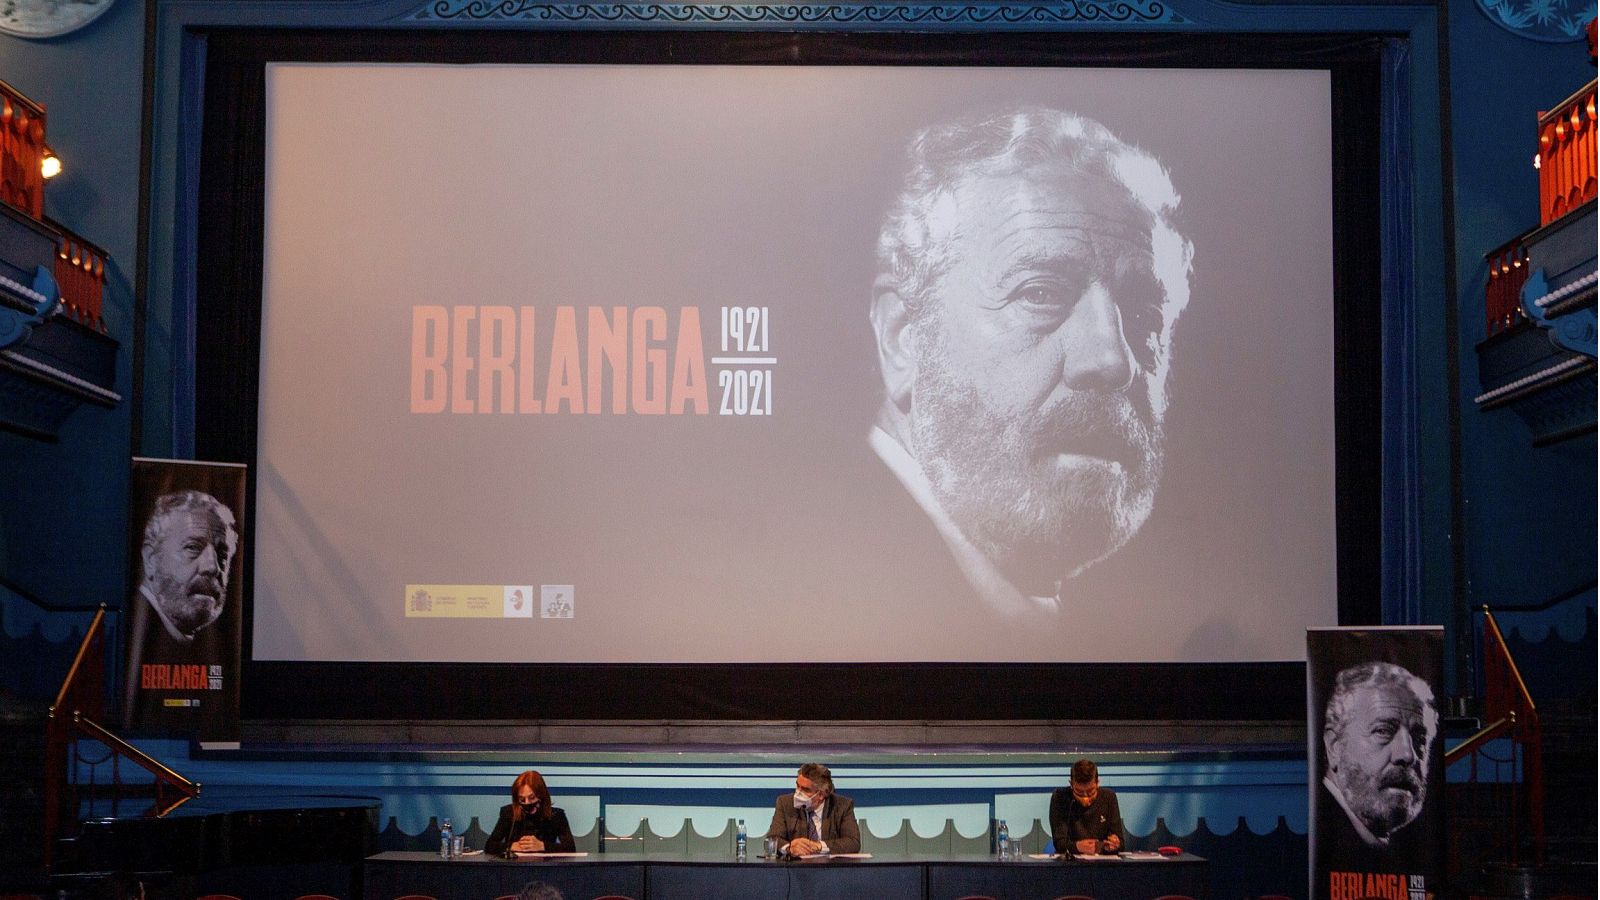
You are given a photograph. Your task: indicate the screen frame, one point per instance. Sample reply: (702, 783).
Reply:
(228, 271)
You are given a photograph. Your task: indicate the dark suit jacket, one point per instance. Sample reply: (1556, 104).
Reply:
(839, 829)
(554, 831)
(1071, 822)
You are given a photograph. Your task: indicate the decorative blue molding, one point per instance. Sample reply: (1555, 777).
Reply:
(40, 300)
(1550, 21)
(1099, 12)
(1575, 330)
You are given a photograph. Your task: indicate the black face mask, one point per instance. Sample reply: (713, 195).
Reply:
(529, 809)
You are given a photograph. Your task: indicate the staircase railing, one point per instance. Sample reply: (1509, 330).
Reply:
(1510, 712)
(75, 716)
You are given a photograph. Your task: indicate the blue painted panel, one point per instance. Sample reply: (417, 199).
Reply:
(1229, 793)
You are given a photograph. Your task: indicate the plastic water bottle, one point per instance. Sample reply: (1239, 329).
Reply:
(445, 836)
(1002, 840)
(740, 839)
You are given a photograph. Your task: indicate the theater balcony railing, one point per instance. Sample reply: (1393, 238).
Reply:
(1508, 272)
(22, 151)
(80, 272)
(56, 353)
(1566, 157)
(1539, 354)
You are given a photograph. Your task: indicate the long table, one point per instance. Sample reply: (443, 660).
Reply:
(649, 877)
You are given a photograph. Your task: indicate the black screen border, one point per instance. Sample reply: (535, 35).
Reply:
(228, 268)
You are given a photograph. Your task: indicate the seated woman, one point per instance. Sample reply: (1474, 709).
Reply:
(530, 824)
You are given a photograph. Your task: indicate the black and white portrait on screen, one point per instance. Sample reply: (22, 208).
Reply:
(1030, 277)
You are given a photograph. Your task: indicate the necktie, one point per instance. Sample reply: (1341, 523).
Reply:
(811, 826)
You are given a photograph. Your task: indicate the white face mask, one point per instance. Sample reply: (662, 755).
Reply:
(801, 801)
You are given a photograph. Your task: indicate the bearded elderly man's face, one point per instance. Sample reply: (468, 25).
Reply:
(1380, 758)
(1041, 366)
(187, 568)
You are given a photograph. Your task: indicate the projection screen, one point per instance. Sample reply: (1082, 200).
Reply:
(710, 364)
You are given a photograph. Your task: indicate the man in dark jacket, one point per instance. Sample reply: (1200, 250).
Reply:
(1084, 818)
(814, 819)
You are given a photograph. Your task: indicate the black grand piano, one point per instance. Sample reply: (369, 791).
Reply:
(255, 847)
(166, 838)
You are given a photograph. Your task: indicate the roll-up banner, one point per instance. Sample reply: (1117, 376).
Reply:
(1377, 764)
(183, 620)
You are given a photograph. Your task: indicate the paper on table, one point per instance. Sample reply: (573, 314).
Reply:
(1044, 856)
(837, 856)
(1141, 854)
(522, 854)
(1095, 856)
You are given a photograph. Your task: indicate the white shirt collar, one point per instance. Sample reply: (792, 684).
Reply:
(979, 571)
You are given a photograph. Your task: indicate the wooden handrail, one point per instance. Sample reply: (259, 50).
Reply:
(140, 758)
(1511, 664)
(67, 683)
(1506, 697)
(84, 686)
(79, 704)
(1485, 735)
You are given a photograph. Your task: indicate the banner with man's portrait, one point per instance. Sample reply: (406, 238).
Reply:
(1376, 762)
(183, 619)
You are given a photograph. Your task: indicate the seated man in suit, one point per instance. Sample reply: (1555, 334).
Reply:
(1084, 818)
(814, 819)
